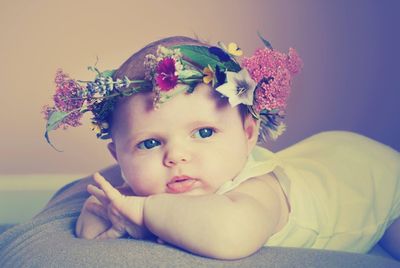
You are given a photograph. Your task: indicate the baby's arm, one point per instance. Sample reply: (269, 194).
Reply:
(227, 226)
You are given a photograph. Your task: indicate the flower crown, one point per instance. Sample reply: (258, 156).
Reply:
(261, 82)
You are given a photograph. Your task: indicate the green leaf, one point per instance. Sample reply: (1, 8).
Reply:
(55, 119)
(190, 74)
(107, 73)
(202, 57)
(199, 55)
(265, 41)
(53, 122)
(94, 69)
(46, 135)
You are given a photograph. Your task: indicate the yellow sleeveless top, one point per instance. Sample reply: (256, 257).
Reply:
(343, 190)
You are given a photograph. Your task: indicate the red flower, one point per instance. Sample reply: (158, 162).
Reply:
(166, 78)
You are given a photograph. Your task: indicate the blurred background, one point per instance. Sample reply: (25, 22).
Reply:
(350, 79)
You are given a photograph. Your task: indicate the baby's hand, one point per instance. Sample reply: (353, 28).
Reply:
(124, 212)
(90, 225)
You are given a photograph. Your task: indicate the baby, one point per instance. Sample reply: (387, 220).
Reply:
(185, 118)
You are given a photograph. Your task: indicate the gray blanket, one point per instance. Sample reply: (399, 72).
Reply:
(48, 240)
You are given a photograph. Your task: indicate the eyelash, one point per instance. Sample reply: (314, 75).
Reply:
(210, 131)
(148, 144)
(152, 143)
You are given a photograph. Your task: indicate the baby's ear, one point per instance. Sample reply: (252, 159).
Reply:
(251, 128)
(113, 151)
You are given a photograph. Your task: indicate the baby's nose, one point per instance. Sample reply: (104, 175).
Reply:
(176, 155)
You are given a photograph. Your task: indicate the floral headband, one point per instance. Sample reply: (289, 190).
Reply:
(261, 82)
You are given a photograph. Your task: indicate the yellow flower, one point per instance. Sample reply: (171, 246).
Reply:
(96, 127)
(209, 75)
(234, 50)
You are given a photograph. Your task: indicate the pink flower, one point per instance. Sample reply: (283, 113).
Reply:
(67, 93)
(66, 99)
(294, 62)
(47, 111)
(166, 77)
(266, 63)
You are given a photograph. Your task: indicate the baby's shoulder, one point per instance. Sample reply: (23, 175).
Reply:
(265, 189)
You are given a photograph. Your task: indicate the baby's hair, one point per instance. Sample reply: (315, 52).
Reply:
(133, 67)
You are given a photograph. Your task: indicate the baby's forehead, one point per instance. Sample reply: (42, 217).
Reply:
(201, 105)
(202, 96)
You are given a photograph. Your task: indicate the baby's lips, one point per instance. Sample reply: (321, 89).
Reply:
(180, 184)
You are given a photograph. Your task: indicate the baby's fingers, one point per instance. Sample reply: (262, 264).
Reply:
(108, 189)
(111, 233)
(98, 210)
(98, 193)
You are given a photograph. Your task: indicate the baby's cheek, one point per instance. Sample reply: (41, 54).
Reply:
(227, 169)
(146, 180)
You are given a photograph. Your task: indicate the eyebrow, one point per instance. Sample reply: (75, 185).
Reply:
(140, 136)
(203, 123)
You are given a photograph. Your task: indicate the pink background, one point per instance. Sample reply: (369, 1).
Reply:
(350, 51)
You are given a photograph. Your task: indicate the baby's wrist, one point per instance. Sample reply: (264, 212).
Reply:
(143, 208)
(134, 210)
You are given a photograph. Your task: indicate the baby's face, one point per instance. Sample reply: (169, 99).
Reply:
(190, 145)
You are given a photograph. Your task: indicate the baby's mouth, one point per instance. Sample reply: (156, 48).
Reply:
(180, 184)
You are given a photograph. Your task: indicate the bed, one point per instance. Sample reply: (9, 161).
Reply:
(41, 235)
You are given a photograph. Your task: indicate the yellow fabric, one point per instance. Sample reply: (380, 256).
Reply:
(343, 189)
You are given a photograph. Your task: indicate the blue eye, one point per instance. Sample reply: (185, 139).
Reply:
(204, 133)
(148, 144)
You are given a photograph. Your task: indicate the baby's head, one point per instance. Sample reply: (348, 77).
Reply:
(183, 116)
(190, 144)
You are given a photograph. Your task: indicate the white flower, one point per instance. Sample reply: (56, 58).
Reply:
(239, 88)
(164, 52)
